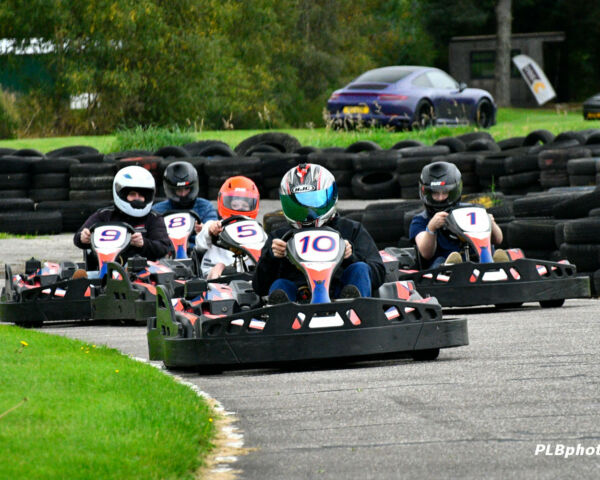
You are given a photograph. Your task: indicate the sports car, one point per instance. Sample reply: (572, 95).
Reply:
(591, 108)
(409, 97)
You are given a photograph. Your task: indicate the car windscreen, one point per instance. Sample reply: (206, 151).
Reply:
(385, 75)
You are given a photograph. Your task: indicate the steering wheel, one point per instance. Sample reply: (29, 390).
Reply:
(190, 212)
(233, 219)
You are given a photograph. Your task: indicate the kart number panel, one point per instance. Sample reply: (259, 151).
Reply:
(179, 225)
(472, 219)
(317, 246)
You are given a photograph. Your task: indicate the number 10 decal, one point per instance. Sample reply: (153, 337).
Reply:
(317, 244)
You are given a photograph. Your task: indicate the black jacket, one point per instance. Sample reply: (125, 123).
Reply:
(152, 226)
(270, 268)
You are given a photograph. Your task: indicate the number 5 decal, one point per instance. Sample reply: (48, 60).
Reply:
(246, 231)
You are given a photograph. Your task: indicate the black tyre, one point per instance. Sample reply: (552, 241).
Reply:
(72, 151)
(12, 164)
(91, 183)
(523, 179)
(483, 145)
(31, 223)
(484, 113)
(407, 143)
(577, 206)
(510, 143)
(92, 169)
(43, 194)
(521, 163)
(455, 145)
(538, 137)
(14, 181)
(426, 355)
(281, 141)
(532, 233)
(172, 151)
(50, 180)
(585, 257)
(230, 166)
(363, 146)
(583, 166)
(375, 185)
(377, 160)
(333, 161)
(16, 204)
(555, 303)
(53, 165)
(582, 230)
(90, 195)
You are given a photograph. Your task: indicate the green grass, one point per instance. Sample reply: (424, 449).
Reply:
(512, 122)
(6, 236)
(92, 412)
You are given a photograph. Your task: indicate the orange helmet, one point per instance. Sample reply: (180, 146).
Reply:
(238, 196)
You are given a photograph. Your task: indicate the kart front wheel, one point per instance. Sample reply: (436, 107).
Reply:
(425, 355)
(558, 302)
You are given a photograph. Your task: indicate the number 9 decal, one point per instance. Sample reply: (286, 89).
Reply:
(109, 235)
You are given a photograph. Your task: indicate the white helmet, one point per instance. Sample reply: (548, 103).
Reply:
(136, 179)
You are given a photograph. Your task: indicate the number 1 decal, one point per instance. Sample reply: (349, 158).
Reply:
(472, 215)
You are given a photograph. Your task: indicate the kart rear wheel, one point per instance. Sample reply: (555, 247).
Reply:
(501, 306)
(425, 355)
(558, 302)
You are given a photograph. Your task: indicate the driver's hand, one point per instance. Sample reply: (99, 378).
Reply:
(216, 271)
(437, 221)
(85, 236)
(137, 240)
(492, 221)
(215, 228)
(278, 247)
(348, 251)
(197, 227)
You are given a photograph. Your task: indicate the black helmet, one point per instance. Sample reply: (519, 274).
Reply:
(181, 175)
(440, 177)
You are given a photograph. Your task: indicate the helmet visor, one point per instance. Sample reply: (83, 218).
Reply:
(239, 203)
(308, 206)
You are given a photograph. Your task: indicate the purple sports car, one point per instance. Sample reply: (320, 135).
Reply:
(409, 97)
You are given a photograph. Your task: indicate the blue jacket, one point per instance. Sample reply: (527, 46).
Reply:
(203, 208)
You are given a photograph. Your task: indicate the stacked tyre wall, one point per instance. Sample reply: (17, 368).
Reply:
(543, 186)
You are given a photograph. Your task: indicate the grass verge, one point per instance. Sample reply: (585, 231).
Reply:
(91, 412)
(512, 122)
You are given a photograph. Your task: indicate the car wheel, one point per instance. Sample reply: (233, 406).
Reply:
(484, 113)
(424, 115)
(552, 303)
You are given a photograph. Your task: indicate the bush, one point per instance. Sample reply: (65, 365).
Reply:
(9, 116)
(150, 138)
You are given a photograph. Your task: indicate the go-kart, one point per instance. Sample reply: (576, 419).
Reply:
(50, 292)
(245, 330)
(130, 293)
(480, 281)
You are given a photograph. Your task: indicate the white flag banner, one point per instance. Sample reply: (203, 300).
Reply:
(535, 78)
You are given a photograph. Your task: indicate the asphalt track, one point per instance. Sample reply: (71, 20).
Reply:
(528, 381)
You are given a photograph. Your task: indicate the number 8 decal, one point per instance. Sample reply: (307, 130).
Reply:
(175, 222)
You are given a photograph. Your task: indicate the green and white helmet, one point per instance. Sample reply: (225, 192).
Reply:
(308, 195)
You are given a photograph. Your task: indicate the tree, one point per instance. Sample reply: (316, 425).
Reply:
(502, 67)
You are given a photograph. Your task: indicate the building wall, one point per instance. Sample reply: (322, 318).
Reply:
(528, 44)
